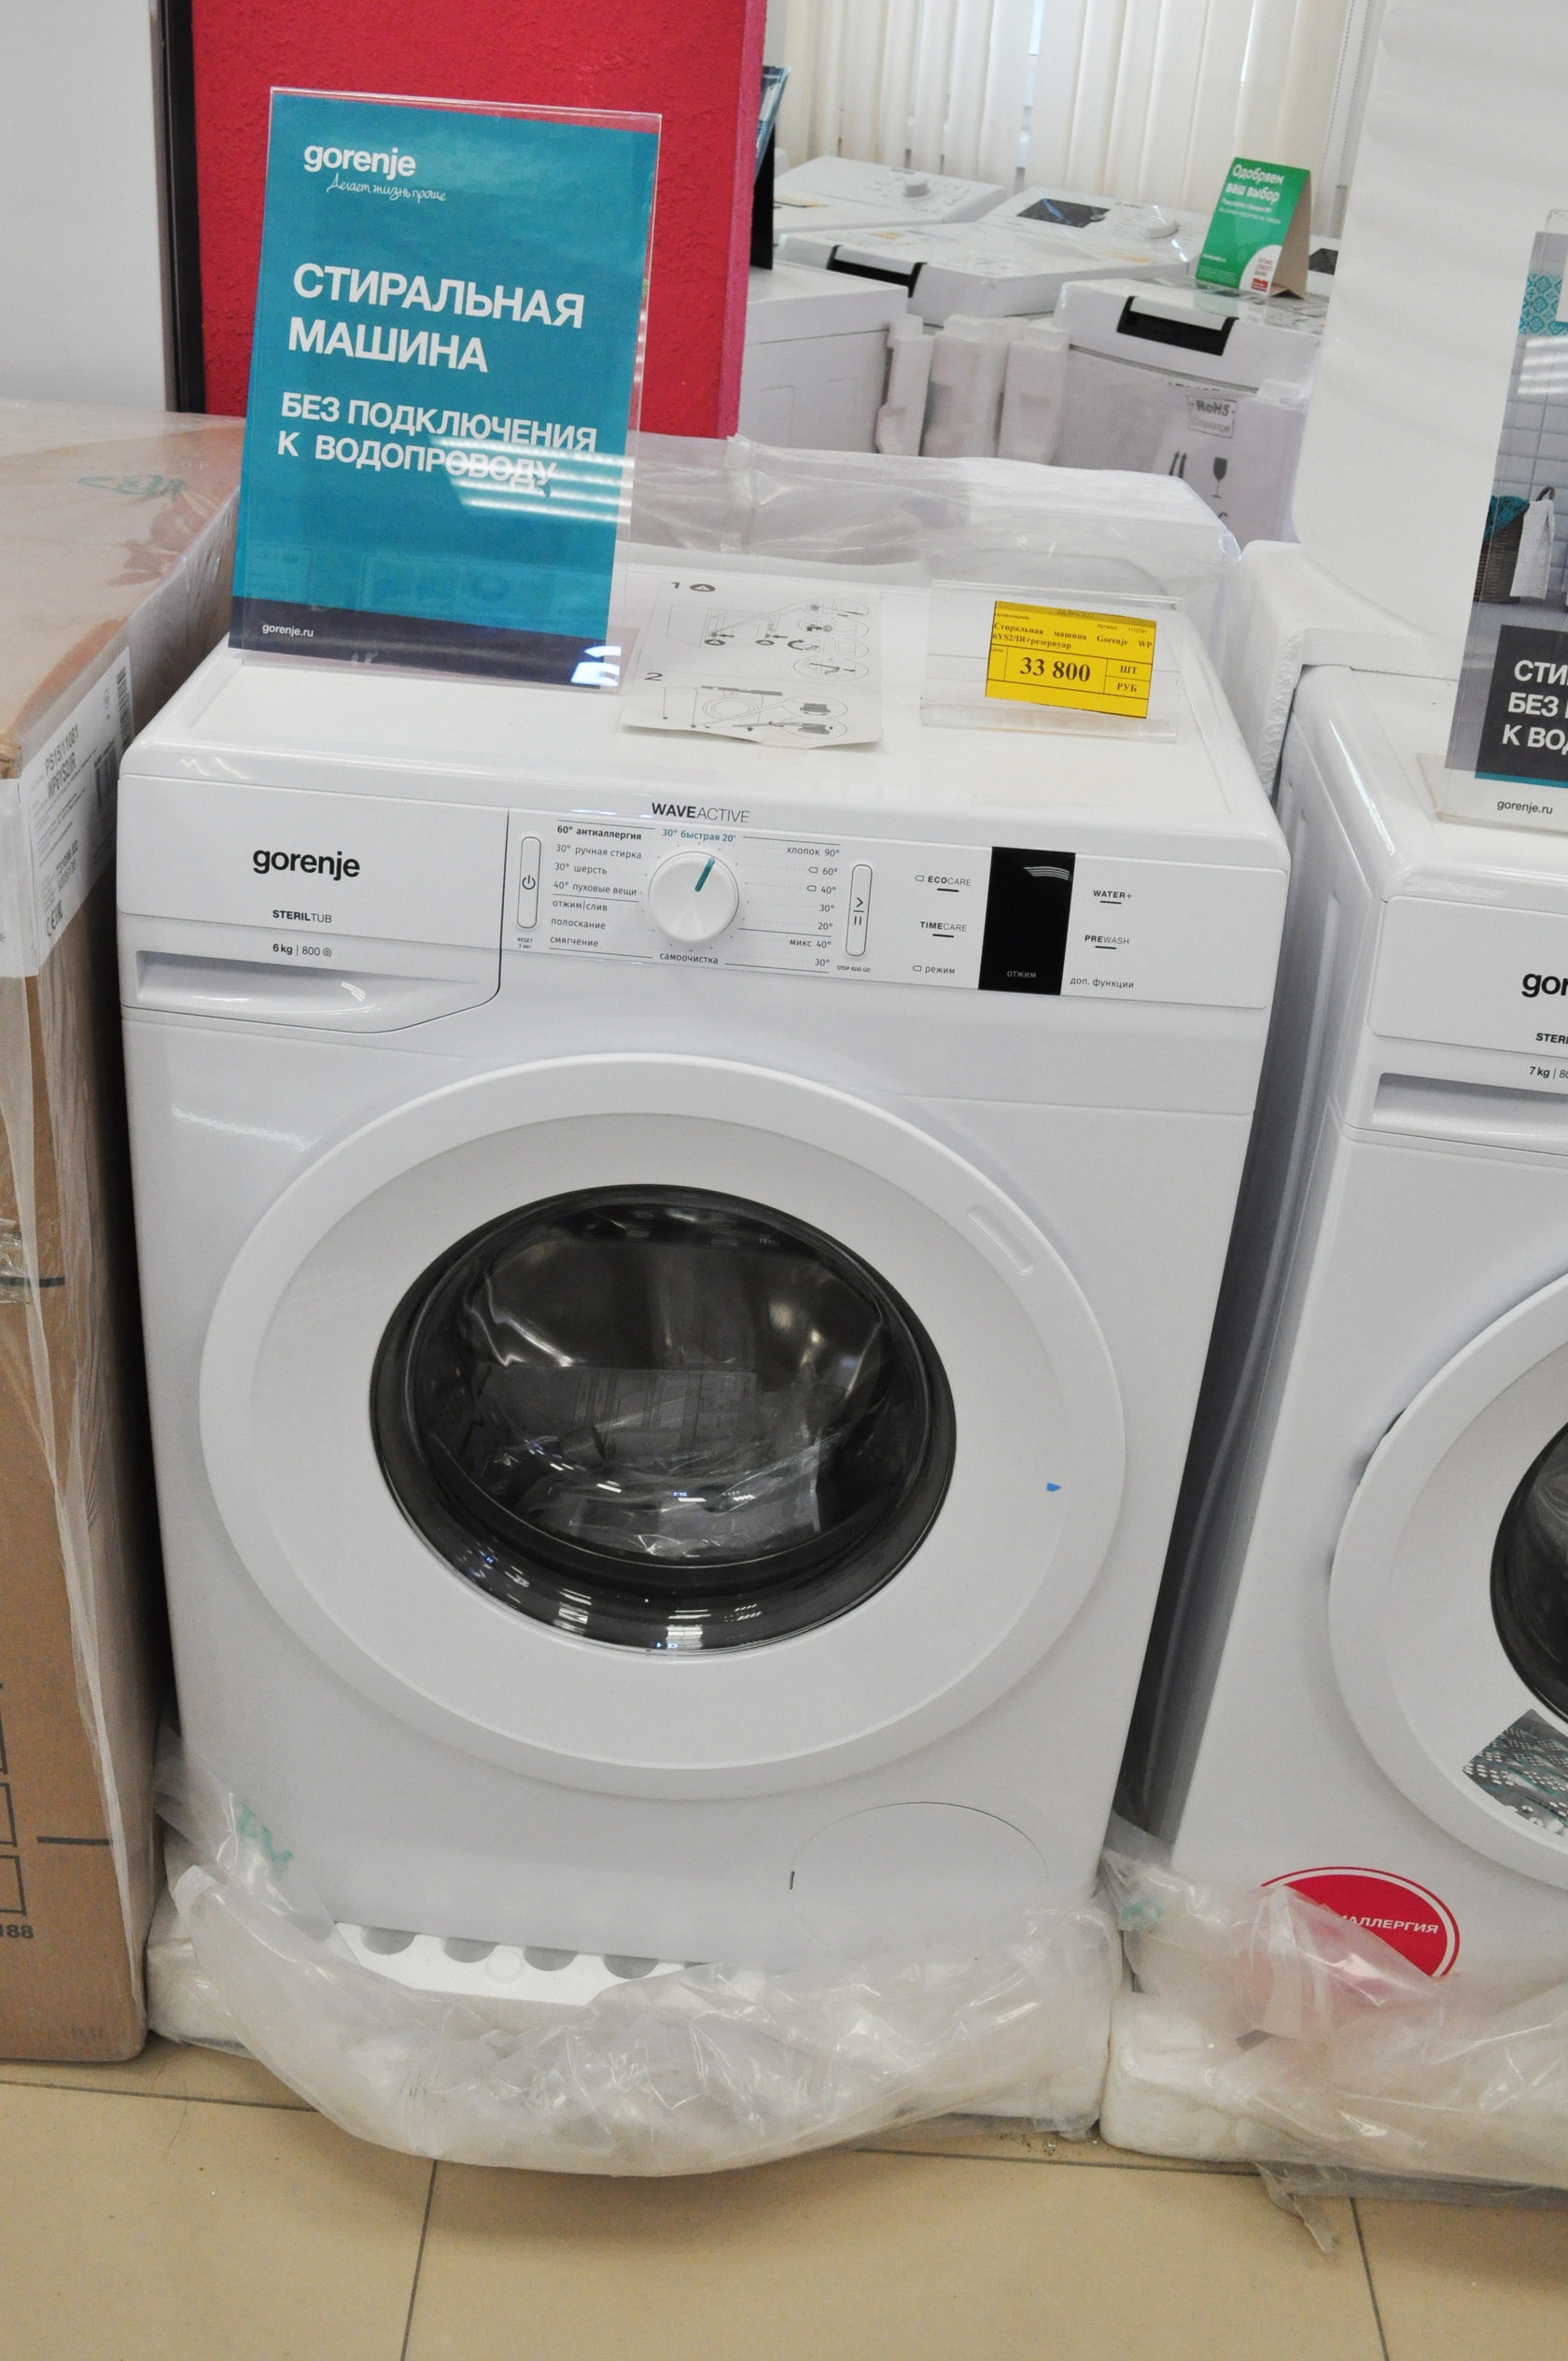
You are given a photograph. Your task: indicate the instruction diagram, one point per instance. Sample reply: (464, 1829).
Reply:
(759, 660)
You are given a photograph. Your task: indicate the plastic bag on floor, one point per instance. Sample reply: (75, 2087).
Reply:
(697, 2071)
(1263, 2027)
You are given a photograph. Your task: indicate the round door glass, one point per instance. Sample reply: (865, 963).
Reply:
(662, 1419)
(1530, 1577)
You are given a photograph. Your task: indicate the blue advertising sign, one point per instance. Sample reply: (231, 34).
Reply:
(448, 331)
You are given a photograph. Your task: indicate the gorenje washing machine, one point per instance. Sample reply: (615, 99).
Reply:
(676, 1279)
(1358, 1679)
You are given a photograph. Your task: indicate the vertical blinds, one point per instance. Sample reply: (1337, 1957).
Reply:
(1145, 99)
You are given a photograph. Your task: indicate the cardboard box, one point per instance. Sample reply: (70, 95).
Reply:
(117, 532)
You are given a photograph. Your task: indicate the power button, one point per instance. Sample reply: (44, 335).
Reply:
(528, 884)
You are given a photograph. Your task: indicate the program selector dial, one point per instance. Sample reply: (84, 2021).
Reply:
(692, 897)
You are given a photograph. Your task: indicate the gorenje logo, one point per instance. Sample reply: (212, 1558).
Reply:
(386, 161)
(325, 865)
(700, 811)
(1533, 986)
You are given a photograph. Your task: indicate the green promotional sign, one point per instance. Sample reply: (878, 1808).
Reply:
(1258, 238)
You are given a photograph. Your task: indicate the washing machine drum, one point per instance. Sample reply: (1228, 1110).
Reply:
(1530, 1577)
(663, 1418)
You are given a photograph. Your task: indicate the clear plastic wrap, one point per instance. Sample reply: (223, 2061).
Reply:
(1305, 2190)
(701, 2069)
(1260, 2026)
(1070, 530)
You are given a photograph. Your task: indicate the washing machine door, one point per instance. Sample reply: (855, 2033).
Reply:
(661, 1424)
(1448, 1599)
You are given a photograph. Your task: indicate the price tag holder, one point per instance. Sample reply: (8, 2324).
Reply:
(1063, 656)
(1091, 667)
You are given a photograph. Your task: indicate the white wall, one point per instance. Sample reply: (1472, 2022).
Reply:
(81, 263)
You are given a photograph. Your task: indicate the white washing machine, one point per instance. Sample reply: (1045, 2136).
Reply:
(845, 193)
(676, 1279)
(815, 362)
(1016, 260)
(1078, 209)
(1184, 381)
(1359, 1675)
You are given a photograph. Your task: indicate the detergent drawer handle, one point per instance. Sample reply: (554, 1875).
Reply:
(254, 991)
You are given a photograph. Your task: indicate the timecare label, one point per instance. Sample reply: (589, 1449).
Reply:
(1066, 657)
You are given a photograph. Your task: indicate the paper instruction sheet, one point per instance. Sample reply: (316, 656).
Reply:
(783, 662)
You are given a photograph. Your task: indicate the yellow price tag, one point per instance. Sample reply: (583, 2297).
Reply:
(1062, 655)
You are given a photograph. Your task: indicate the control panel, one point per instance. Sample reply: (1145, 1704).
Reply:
(964, 917)
(324, 884)
(1478, 976)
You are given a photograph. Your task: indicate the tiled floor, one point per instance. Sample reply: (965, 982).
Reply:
(188, 2208)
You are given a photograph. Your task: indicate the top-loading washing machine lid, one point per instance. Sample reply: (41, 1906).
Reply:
(662, 1425)
(1118, 219)
(1448, 1600)
(845, 193)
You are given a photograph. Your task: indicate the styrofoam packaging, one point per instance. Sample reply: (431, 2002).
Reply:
(901, 419)
(1396, 463)
(967, 371)
(1034, 393)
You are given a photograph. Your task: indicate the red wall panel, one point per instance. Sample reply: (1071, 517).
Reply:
(696, 63)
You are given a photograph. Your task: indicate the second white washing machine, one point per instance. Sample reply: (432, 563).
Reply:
(1358, 1681)
(1015, 261)
(845, 193)
(1190, 382)
(676, 1276)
